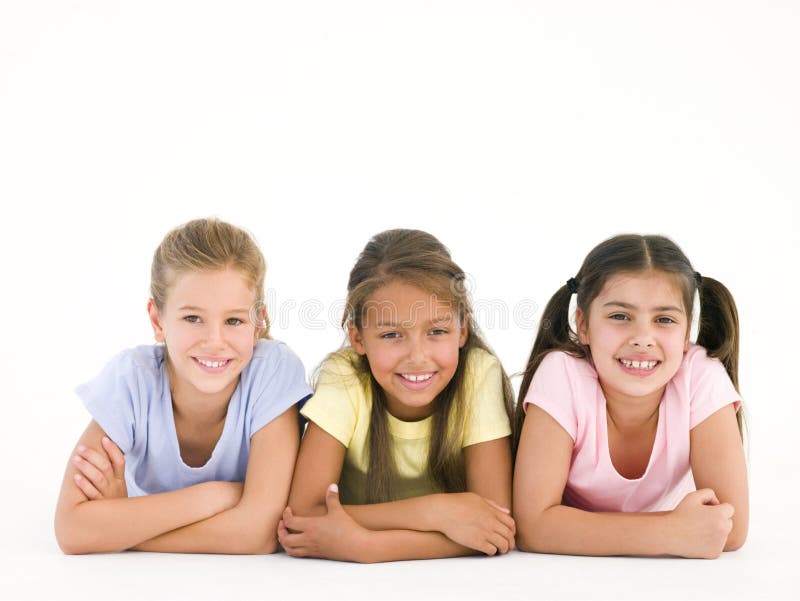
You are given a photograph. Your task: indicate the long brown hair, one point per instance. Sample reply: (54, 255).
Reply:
(718, 329)
(417, 258)
(209, 245)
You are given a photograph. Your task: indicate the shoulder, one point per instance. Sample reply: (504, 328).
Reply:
(562, 363)
(341, 368)
(273, 364)
(697, 364)
(480, 361)
(145, 361)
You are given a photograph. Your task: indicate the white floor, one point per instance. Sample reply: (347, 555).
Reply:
(34, 568)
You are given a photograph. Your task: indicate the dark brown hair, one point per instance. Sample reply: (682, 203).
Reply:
(718, 329)
(417, 258)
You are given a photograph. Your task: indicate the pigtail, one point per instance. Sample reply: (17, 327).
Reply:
(718, 330)
(554, 334)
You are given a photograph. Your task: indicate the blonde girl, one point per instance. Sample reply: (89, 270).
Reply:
(407, 453)
(192, 440)
(631, 443)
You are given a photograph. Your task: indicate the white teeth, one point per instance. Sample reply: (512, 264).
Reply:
(638, 364)
(420, 378)
(211, 363)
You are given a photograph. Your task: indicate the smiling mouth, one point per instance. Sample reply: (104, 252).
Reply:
(212, 364)
(639, 365)
(417, 377)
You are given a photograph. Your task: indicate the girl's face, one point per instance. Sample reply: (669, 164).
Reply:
(637, 331)
(207, 329)
(411, 339)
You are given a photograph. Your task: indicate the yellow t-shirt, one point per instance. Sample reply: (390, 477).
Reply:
(342, 403)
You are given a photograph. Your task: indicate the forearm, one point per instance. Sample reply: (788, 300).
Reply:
(569, 531)
(118, 524)
(241, 530)
(400, 545)
(407, 514)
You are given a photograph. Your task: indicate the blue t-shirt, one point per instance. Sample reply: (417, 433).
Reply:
(131, 401)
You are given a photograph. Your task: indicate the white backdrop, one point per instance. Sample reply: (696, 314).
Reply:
(520, 133)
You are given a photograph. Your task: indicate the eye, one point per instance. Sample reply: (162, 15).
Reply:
(192, 319)
(233, 321)
(390, 335)
(618, 316)
(439, 332)
(665, 320)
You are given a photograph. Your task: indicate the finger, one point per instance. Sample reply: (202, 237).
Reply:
(90, 472)
(507, 534)
(488, 548)
(294, 540)
(707, 496)
(497, 506)
(501, 544)
(294, 522)
(98, 459)
(332, 498)
(116, 456)
(296, 551)
(87, 488)
(727, 510)
(507, 521)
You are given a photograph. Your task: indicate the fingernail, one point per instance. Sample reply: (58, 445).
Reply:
(76, 459)
(77, 477)
(334, 488)
(81, 448)
(106, 439)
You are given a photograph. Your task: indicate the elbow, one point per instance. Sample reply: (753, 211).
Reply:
(735, 541)
(69, 540)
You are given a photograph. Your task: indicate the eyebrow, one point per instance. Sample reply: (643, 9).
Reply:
(200, 309)
(432, 322)
(660, 309)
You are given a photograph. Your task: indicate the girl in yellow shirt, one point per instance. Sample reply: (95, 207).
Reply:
(411, 419)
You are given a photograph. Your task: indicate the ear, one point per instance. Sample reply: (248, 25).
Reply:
(262, 321)
(155, 320)
(582, 325)
(463, 335)
(356, 340)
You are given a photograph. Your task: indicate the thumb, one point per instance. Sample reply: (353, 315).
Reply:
(332, 498)
(707, 497)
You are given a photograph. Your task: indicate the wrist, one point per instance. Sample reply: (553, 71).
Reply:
(668, 533)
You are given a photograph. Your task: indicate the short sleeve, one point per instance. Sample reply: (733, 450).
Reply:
(552, 390)
(276, 380)
(710, 387)
(113, 399)
(335, 403)
(487, 418)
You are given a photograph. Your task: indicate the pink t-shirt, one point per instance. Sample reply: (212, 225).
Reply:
(568, 389)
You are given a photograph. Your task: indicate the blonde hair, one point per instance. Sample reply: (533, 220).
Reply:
(208, 245)
(417, 258)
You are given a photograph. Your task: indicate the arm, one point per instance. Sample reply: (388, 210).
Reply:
(382, 532)
(84, 526)
(544, 525)
(718, 463)
(250, 526)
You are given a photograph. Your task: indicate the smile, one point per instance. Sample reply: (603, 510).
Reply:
(417, 377)
(212, 364)
(638, 364)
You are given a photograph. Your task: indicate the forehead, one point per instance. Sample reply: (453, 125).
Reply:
(650, 288)
(407, 302)
(219, 287)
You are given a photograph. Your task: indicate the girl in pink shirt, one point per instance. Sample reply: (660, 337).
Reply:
(629, 435)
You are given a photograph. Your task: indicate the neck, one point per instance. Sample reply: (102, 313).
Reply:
(196, 406)
(632, 413)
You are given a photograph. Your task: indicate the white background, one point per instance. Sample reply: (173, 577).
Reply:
(520, 133)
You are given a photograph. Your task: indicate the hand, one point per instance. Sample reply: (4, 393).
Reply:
(332, 536)
(101, 473)
(476, 522)
(700, 525)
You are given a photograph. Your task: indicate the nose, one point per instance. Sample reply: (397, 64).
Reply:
(417, 349)
(642, 338)
(215, 335)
